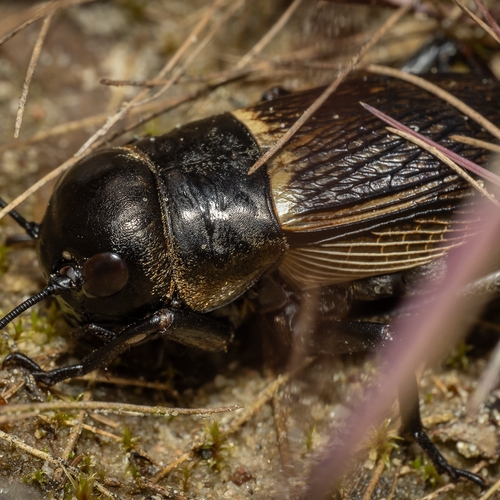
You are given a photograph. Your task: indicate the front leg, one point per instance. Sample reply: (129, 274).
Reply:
(183, 326)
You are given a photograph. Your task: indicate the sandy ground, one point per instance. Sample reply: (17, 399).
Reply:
(269, 455)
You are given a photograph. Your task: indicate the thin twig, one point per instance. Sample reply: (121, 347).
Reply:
(201, 46)
(377, 473)
(494, 489)
(170, 493)
(394, 486)
(31, 69)
(260, 400)
(489, 18)
(393, 19)
(95, 141)
(166, 104)
(157, 386)
(17, 411)
(138, 99)
(74, 435)
(173, 464)
(479, 21)
(282, 434)
(55, 461)
(275, 29)
(476, 143)
(439, 92)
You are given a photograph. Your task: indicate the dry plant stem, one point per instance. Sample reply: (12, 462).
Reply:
(452, 486)
(394, 486)
(489, 18)
(74, 435)
(55, 461)
(89, 428)
(433, 150)
(138, 98)
(393, 19)
(12, 390)
(489, 494)
(104, 420)
(264, 41)
(35, 187)
(17, 411)
(64, 128)
(93, 143)
(476, 143)
(261, 399)
(476, 19)
(46, 9)
(31, 69)
(424, 142)
(172, 465)
(377, 473)
(439, 92)
(204, 43)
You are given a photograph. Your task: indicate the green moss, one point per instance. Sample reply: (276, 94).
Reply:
(215, 448)
(425, 469)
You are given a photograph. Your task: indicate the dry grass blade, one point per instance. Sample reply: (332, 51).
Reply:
(18, 411)
(93, 143)
(264, 41)
(266, 395)
(491, 491)
(74, 435)
(377, 473)
(31, 69)
(489, 18)
(476, 143)
(202, 45)
(395, 17)
(480, 22)
(55, 461)
(172, 465)
(443, 153)
(35, 187)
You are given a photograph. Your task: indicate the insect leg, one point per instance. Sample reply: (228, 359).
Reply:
(31, 228)
(182, 326)
(351, 336)
(412, 424)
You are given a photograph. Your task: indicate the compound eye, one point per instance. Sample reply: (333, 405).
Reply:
(104, 275)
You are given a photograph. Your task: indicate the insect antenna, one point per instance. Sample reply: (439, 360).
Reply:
(55, 286)
(32, 228)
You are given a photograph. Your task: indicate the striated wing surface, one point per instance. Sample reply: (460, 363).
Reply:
(355, 201)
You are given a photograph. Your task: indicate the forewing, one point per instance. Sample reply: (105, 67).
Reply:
(355, 201)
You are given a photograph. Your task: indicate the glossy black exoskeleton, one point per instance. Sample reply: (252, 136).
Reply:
(146, 240)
